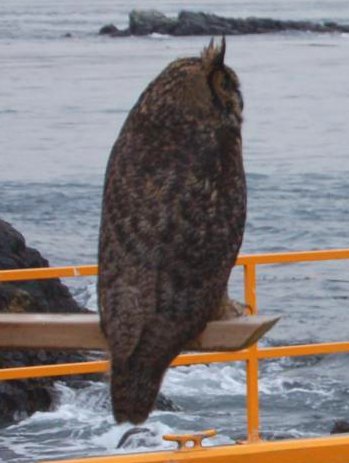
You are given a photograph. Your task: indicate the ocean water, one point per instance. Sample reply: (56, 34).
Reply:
(63, 101)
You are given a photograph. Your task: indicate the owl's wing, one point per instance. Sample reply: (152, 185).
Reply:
(126, 290)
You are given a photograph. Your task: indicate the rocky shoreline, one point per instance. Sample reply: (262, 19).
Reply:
(187, 23)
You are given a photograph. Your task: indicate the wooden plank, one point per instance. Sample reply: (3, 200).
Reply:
(51, 331)
(82, 331)
(235, 334)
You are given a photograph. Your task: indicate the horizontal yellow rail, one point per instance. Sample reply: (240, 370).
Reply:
(303, 349)
(247, 259)
(102, 366)
(46, 273)
(293, 257)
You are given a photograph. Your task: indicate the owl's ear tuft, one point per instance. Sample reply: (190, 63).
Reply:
(213, 56)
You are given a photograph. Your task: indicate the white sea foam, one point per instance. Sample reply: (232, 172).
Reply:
(91, 302)
(156, 35)
(205, 379)
(82, 422)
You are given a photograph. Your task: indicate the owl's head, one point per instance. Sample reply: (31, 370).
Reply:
(200, 88)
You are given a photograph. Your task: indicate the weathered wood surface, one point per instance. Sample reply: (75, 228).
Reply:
(82, 331)
(235, 334)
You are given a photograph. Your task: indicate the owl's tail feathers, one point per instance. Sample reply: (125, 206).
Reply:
(134, 391)
(121, 387)
(135, 386)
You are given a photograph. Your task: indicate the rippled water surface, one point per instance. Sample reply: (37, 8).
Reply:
(63, 101)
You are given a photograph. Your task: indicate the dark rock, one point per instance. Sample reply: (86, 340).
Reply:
(108, 29)
(190, 23)
(165, 404)
(340, 426)
(21, 398)
(135, 437)
(113, 31)
(29, 296)
(144, 22)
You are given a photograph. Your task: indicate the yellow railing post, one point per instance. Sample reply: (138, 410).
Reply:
(252, 360)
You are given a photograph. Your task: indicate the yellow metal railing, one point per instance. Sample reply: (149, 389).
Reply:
(252, 356)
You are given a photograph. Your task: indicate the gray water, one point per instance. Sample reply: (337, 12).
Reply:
(62, 103)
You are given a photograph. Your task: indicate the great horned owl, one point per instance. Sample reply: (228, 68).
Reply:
(173, 217)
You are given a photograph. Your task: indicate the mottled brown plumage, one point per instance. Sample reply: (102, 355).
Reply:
(172, 223)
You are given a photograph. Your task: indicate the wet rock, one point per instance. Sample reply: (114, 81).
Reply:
(113, 31)
(18, 399)
(22, 398)
(108, 29)
(193, 23)
(165, 404)
(190, 23)
(145, 22)
(340, 426)
(136, 437)
(29, 296)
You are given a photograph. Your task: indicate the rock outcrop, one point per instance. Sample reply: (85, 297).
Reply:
(113, 31)
(340, 427)
(29, 296)
(145, 22)
(24, 397)
(21, 398)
